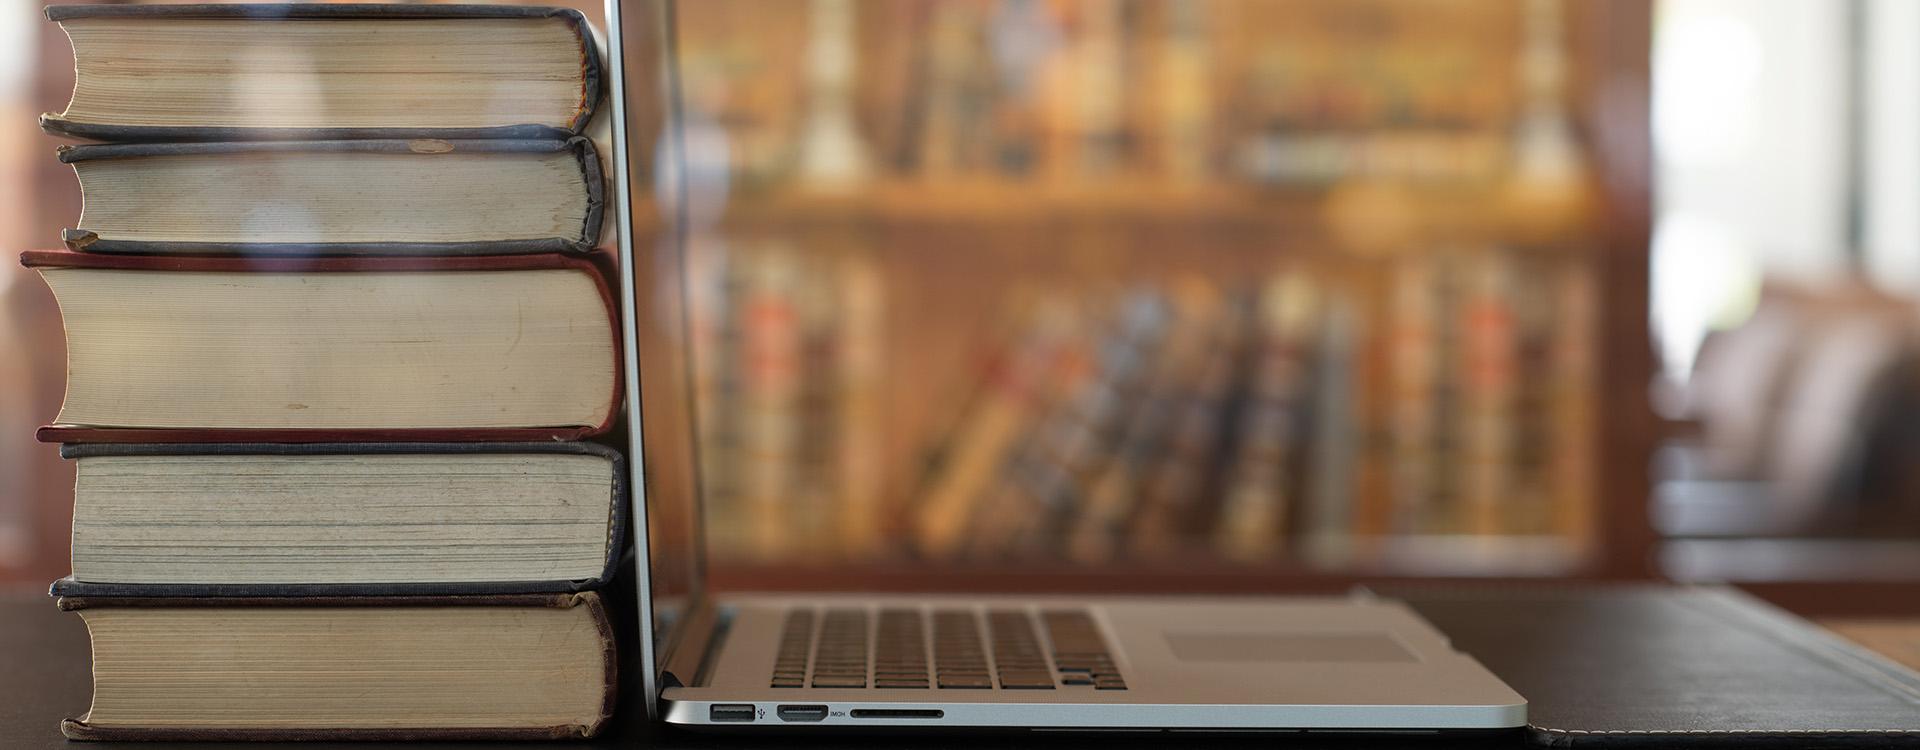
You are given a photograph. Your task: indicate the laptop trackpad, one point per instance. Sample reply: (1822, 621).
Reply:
(1286, 647)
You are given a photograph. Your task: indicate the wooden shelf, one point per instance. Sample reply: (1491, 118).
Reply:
(1323, 569)
(1791, 560)
(1016, 202)
(1377, 218)
(1035, 579)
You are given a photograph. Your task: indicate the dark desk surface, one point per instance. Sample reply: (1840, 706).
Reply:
(1623, 660)
(44, 677)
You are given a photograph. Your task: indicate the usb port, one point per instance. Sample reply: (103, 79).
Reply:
(801, 713)
(731, 712)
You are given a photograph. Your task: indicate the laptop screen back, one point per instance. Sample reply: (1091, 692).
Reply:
(646, 177)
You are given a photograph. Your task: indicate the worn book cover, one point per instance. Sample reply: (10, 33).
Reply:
(263, 170)
(585, 98)
(380, 641)
(597, 267)
(615, 532)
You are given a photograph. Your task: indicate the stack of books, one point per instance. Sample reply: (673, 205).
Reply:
(337, 331)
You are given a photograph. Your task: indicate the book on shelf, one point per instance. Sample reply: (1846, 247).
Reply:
(523, 667)
(1537, 436)
(786, 359)
(960, 469)
(1164, 344)
(1332, 487)
(1177, 500)
(327, 71)
(1487, 380)
(858, 350)
(210, 349)
(360, 197)
(773, 380)
(1262, 484)
(304, 519)
(1573, 395)
(1414, 398)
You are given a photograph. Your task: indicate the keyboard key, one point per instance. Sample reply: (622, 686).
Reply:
(959, 658)
(889, 649)
(1017, 653)
(796, 639)
(1080, 650)
(1026, 680)
(900, 650)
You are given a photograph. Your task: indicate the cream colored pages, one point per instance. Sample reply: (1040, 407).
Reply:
(334, 196)
(346, 667)
(365, 73)
(377, 518)
(457, 349)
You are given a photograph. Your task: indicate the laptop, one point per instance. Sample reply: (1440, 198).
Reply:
(775, 662)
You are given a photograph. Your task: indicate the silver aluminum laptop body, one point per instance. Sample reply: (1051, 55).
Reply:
(788, 661)
(1187, 663)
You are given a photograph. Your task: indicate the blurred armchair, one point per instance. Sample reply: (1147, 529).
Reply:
(1808, 422)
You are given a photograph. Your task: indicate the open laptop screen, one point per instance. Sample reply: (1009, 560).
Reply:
(652, 217)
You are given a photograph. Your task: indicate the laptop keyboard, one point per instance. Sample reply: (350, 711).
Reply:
(831, 649)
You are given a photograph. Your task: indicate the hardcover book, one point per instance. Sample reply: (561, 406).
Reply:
(303, 350)
(326, 71)
(343, 518)
(347, 668)
(421, 196)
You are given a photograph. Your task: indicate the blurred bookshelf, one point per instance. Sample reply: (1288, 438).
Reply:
(1224, 294)
(1136, 294)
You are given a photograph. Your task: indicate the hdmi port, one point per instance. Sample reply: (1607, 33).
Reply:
(801, 713)
(898, 713)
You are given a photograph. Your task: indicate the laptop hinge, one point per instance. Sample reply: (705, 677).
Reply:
(699, 635)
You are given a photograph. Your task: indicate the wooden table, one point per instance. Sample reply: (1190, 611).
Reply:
(1895, 638)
